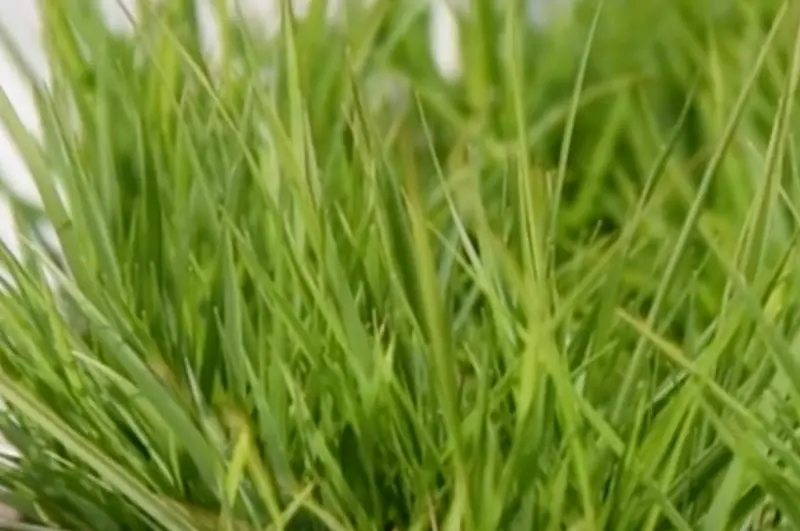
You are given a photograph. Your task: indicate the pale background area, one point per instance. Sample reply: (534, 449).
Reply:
(20, 17)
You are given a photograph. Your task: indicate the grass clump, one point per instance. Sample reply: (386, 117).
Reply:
(310, 284)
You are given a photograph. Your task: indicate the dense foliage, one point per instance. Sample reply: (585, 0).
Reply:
(311, 284)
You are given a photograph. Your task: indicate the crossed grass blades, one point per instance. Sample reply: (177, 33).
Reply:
(311, 285)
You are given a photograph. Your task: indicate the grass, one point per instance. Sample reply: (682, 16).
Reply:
(313, 285)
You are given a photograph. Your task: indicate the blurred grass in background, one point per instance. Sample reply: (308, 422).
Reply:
(314, 285)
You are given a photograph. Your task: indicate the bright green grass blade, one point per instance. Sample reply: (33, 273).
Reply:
(569, 128)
